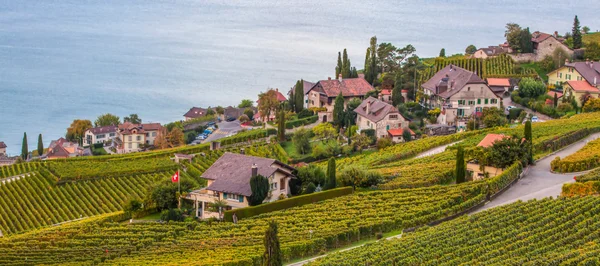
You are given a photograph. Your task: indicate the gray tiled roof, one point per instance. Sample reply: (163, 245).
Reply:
(378, 109)
(444, 78)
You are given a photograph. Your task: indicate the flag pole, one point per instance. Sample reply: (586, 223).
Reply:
(179, 188)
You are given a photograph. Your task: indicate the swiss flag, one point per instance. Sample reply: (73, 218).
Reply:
(175, 177)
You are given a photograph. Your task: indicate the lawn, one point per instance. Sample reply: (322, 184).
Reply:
(536, 66)
(150, 217)
(290, 149)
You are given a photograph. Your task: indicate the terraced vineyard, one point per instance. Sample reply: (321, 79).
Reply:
(17, 169)
(304, 230)
(586, 158)
(544, 232)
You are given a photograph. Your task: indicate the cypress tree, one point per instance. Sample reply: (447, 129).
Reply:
(331, 183)
(272, 256)
(373, 60)
(397, 91)
(443, 52)
(460, 166)
(576, 34)
(40, 147)
(345, 65)
(260, 188)
(299, 94)
(529, 139)
(555, 100)
(338, 109)
(292, 100)
(339, 67)
(367, 61)
(281, 125)
(24, 148)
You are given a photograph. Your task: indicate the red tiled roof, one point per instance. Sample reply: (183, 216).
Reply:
(582, 85)
(501, 82)
(386, 92)
(128, 127)
(398, 132)
(558, 94)
(489, 140)
(349, 87)
(539, 36)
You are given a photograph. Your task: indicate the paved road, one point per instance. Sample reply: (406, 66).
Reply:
(224, 129)
(539, 182)
(435, 150)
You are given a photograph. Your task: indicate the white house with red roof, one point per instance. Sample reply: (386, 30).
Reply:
(99, 135)
(397, 134)
(271, 117)
(324, 92)
(134, 137)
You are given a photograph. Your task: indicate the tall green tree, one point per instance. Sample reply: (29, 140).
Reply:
(443, 52)
(366, 69)
(299, 95)
(513, 36)
(338, 109)
(555, 100)
(345, 65)
(372, 69)
(529, 139)
(397, 91)
(24, 147)
(292, 100)
(525, 41)
(272, 256)
(471, 49)
(260, 188)
(40, 146)
(281, 125)
(330, 183)
(576, 34)
(106, 120)
(460, 166)
(132, 118)
(246, 103)
(339, 67)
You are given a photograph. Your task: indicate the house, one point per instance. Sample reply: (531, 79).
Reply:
(459, 94)
(559, 94)
(100, 135)
(579, 88)
(474, 169)
(195, 112)
(439, 130)
(588, 71)
(236, 112)
(62, 149)
(324, 92)
(397, 137)
(380, 116)
(229, 179)
(2, 148)
(134, 137)
(386, 96)
(499, 85)
(307, 85)
(489, 52)
(544, 44)
(272, 116)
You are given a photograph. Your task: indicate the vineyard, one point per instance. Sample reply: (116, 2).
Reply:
(544, 232)
(17, 169)
(40, 200)
(586, 158)
(304, 230)
(502, 66)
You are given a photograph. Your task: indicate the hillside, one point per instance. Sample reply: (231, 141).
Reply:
(592, 37)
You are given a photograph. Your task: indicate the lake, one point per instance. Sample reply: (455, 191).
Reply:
(63, 60)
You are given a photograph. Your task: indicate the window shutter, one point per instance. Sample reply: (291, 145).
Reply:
(241, 198)
(224, 195)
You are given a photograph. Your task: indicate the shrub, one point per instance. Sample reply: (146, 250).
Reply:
(305, 113)
(514, 113)
(383, 143)
(310, 188)
(171, 215)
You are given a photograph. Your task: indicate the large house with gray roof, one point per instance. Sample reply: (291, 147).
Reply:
(460, 94)
(228, 179)
(100, 135)
(380, 116)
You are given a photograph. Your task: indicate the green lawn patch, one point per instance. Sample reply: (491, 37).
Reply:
(150, 217)
(536, 66)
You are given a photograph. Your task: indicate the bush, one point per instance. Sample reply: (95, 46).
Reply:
(288, 203)
(383, 143)
(300, 122)
(305, 113)
(359, 177)
(310, 188)
(514, 113)
(371, 134)
(564, 107)
(171, 215)
(529, 87)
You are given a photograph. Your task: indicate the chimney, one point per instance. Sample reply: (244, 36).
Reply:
(340, 78)
(566, 61)
(451, 67)
(452, 84)
(587, 61)
(328, 78)
(254, 170)
(368, 106)
(555, 34)
(276, 89)
(242, 152)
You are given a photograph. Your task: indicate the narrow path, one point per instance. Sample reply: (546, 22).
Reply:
(435, 150)
(14, 178)
(539, 182)
(506, 101)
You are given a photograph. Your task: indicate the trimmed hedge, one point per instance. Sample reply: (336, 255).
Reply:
(581, 189)
(593, 175)
(564, 140)
(287, 203)
(499, 182)
(301, 122)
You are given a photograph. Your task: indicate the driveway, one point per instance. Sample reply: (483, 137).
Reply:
(435, 150)
(224, 129)
(539, 182)
(506, 101)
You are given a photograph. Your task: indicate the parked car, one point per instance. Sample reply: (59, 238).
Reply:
(230, 119)
(535, 119)
(210, 124)
(510, 107)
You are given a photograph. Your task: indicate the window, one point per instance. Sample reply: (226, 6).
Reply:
(393, 116)
(274, 186)
(111, 134)
(154, 134)
(387, 128)
(368, 123)
(233, 197)
(478, 101)
(468, 88)
(494, 101)
(486, 101)
(101, 136)
(560, 75)
(139, 138)
(461, 102)
(282, 182)
(471, 102)
(461, 112)
(129, 145)
(147, 135)
(129, 138)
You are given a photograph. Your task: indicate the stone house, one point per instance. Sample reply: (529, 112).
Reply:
(579, 88)
(324, 92)
(194, 112)
(576, 71)
(544, 44)
(489, 52)
(380, 116)
(229, 179)
(99, 135)
(460, 94)
(134, 137)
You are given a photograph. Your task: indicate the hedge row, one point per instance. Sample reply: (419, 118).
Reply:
(581, 189)
(499, 182)
(248, 135)
(301, 122)
(593, 175)
(564, 140)
(568, 167)
(287, 203)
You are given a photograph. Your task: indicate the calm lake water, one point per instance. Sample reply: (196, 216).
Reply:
(62, 60)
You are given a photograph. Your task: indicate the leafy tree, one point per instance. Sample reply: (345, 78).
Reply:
(493, 117)
(356, 176)
(163, 195)
(471, 49)
(301, 140)
(338, 109)
(268, 103)
(132, 206)
(324, 131)
(460, 171)
(299, 96)
(243, 118)
(260, 188)
(246, 103)
(592, 105)
(132, 118)
(272, 256)
(76, 131)
(531, 88)
(40, 145)
(576, 34)
(397, 91)
(507, 151)
(529, 138)
(525, 41)
(106, 120)
(443, 52)
(387, 53)
(361, 141)
(330, 174)
(281, 125)
(161, 142)
(248, 112)
(172, 215)
(218, 205)
(584, 98)
(220, 110)
(24, 147)
(210, 111)
(586, 29)
(513, 36)
(312, 174)
(406, 135)
(349, 114)
(310, 188)
(175, 138)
